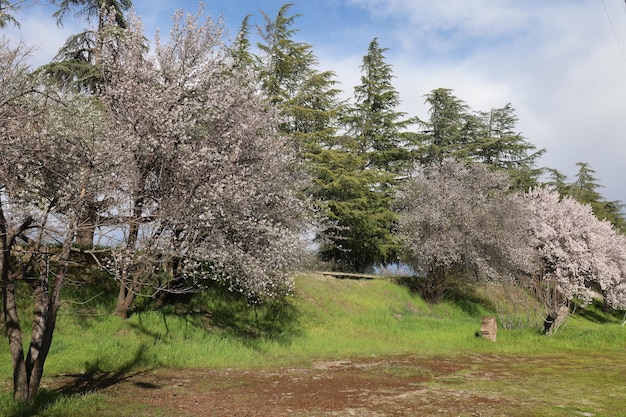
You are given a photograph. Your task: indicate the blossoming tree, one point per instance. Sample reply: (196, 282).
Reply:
(580, 255)
(459, 220)
(209, 183)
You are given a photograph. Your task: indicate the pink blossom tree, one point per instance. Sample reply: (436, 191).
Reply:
(459, 220)
(580, 255)
(209, 183)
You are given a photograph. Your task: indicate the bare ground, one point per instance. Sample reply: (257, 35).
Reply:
(475, 385)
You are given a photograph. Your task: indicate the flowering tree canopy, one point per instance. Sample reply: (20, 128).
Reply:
(50, 155)
(458, 218)
(579, 253)
(176, 161)
(209, 183)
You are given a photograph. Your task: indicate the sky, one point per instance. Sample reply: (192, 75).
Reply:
(560, 63)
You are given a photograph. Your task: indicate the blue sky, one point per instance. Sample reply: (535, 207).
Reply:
(560, 63)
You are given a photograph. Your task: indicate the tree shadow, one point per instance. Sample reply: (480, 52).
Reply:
(95, 378)
(231, 313)
(461, 293)
(595, 312)
(465, 297)
(76, 385)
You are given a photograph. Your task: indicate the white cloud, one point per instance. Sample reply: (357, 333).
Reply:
(557, 62)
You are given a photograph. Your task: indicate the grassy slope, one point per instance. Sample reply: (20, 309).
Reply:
(327, 318)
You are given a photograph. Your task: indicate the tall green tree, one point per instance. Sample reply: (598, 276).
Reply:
(306, 97)
(374, 120)
(241, 54)
(76, 63)
(356, 234)
(585, 190)
(341, 187)
(498, 144)
(361, 193)
(448, 129)
(455, 131)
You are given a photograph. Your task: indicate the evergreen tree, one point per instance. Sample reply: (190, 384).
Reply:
(358, 220)
(308, 101)
(448, 129)
(558, 181)
(374, 121)
(455, 131)
(241, 48)
(76, 64)
(498, 144)
(6, 8)
(287, 69)
(585, 190)
(360, 193)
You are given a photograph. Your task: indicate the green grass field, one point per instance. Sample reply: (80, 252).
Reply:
(326, 319)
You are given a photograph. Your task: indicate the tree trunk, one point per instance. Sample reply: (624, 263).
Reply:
(14, 333)
(127, 292)
(47, 304)
(435, 284)
(125, 299)
(28, 371)
(9, 308)
(86, 228)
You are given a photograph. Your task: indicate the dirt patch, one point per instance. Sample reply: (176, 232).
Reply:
(470, 385)
(370, 388)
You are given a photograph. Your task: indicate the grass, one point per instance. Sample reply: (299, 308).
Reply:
(327, 318)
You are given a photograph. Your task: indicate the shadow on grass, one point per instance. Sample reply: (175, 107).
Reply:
(460, 293)
(95, 378)
(76, 385)
(220, 310)
(465, 297)
(595, 313)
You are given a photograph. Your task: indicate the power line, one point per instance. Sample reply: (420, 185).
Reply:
(608, 16)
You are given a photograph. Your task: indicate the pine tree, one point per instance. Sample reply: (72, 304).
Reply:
(241, 54)
(374, 121)
(76, 64)
(6, 16)
(310, 108)
(448, 129)
(498, 144)
(585, 190)
(360, 193)
(356, 233)
(455, 131)
(288, 71)
(558, 181)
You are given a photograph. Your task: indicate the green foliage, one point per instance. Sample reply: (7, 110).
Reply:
(455, 131)
(585, 189)
(358, 174)
(448, 129)
(6, 18)
(93, 8)
(76, 65)
(357, 231)
(373, 121)
(327, 318)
